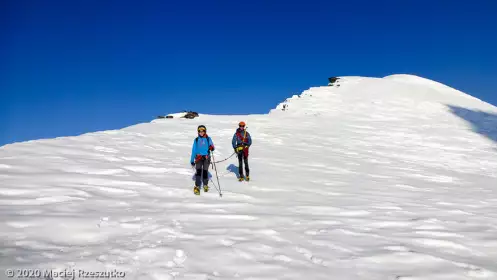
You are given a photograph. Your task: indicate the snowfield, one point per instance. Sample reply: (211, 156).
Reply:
(379, 178)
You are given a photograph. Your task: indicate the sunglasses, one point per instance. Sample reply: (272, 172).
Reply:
(242, 126)
(201, 130)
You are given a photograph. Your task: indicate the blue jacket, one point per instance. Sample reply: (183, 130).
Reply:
(201, 147)
(238, 138)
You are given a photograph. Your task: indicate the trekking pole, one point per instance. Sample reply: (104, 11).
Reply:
(215, 168)
(214, 184)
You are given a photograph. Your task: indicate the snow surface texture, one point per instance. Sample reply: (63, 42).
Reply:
(392, 178)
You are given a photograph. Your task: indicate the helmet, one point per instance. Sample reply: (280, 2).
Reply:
(201, 127)
(241, 124)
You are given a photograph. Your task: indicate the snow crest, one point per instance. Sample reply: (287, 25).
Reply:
(395, 90)
(391, 178)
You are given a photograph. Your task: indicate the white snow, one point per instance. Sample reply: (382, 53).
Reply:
(375, 179)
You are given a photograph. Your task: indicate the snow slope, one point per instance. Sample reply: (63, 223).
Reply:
(375, 179)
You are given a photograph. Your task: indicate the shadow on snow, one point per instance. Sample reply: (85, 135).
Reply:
(233, 168)
(481, 122)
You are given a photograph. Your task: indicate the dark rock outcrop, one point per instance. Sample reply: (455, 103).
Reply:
(190, 115)
(332, 80)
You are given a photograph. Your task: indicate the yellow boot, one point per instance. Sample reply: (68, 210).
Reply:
(196, 190)
(206, 188)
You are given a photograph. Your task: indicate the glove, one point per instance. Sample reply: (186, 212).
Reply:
(192, 163)
(211, 148)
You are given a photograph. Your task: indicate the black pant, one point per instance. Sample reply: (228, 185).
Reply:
(241, 156)
(202, 175)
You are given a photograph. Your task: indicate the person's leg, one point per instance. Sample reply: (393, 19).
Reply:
(198, 175)
(206, 163)
(240, 164)
(247, 169)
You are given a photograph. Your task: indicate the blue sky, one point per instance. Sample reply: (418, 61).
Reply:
(70, 67)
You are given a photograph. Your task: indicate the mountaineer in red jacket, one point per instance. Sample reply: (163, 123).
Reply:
(241, 143)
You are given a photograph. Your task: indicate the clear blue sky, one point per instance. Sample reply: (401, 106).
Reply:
(70, 67)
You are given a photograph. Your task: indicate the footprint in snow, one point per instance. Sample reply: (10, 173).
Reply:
(180, 257)
(308, 255)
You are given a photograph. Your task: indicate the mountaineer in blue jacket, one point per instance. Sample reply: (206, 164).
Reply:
(202, 146)
(241, 143)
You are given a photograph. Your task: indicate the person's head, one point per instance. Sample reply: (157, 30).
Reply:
(241, 125)
(201, 130)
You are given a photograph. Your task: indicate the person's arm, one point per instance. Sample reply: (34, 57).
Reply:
(249, 139)
(233, 142)
(194, 152)
(211, 145)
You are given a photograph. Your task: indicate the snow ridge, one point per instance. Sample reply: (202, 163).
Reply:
(373, 179)
(395, 89)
